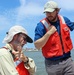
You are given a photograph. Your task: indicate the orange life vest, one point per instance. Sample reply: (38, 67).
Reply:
(21, 69)
(56, 46)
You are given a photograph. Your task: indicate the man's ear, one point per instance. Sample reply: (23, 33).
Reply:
(58, 9)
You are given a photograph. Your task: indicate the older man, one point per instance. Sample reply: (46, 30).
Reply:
(12, 59)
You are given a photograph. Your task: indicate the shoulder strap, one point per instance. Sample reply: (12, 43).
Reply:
(61, 19)
(10, 52)
(45, 23)
(5, 48)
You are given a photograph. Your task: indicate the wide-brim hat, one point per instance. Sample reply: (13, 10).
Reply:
(15, 30)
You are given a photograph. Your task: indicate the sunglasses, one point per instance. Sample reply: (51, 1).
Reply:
(23, 36)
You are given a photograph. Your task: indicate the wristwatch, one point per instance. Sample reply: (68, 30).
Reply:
(26, 61)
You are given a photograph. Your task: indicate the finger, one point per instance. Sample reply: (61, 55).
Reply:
(15, 52)
(19, 48)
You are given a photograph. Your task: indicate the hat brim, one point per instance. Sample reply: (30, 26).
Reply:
(48, 10)
(29, 39)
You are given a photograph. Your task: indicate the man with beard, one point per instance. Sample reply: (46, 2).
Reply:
(12, 59)
(52, 35)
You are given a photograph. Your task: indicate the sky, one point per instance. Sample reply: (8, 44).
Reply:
(28, 13)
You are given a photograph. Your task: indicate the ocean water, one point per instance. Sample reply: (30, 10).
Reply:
(39, 60)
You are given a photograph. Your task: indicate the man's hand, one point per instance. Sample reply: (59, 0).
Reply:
(23, 57)
(19, 56)
(51, 29)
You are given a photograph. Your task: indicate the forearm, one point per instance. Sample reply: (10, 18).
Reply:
(42, 41)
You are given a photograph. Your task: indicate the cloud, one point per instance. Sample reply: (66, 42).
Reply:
(28, 9)
(35, 8)
(66, 4)
(4, 22)
(22, 2)
(13, 16)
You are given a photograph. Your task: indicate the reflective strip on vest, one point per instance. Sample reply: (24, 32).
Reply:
(45, 23)
(63, 21)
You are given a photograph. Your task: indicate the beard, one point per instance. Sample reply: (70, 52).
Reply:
(52, 18)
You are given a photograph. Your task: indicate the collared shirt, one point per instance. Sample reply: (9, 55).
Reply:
(7, 66)
(40, 32)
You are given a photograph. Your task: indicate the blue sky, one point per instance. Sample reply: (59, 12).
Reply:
(28, 13)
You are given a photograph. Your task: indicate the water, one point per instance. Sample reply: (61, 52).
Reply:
(39, 60)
